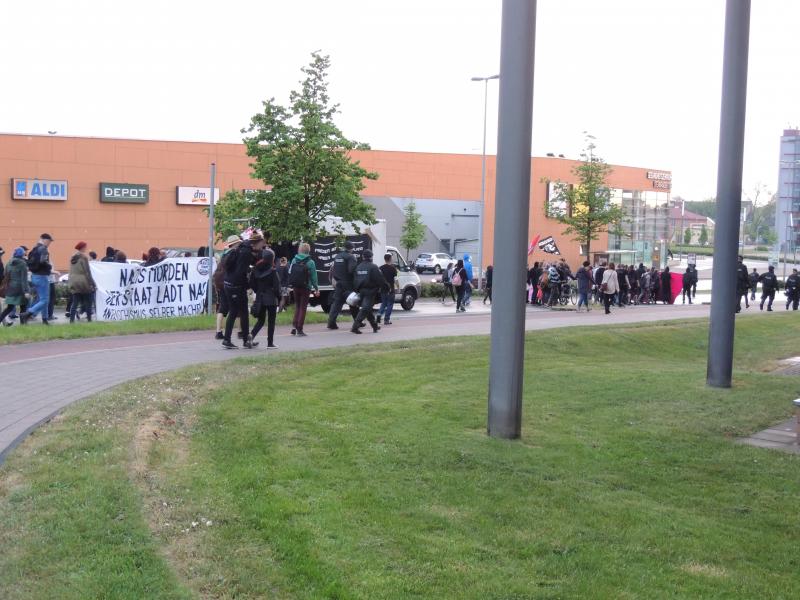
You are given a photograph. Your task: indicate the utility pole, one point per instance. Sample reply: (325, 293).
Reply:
(512, 189)
(729, 194)
(210, 292)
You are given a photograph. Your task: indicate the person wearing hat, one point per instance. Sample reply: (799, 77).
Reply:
(342, 270)
(40, 268)
(793, 290)
(81, 283)
(236, 279)
(218, 280)
(17, 286)
(769, 283)
(368, 281)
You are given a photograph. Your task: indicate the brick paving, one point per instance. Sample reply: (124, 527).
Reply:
(41, 379)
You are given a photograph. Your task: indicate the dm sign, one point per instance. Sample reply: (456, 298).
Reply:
(127, 193)
(38, 189)
(196, 196)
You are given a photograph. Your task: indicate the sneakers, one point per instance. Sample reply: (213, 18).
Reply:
(334, 326)
(301, 333)
(378, 320)
(387, 322)
(355, 329)
(24, 318)
(9, 323)
(229, 345)
(219, 336)
(240, 335)
(376, 329)
(294, 332)
(271, 347)
(249, 343)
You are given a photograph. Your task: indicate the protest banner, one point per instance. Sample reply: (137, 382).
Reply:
(175, 287)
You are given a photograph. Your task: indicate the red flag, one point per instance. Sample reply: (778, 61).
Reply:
(532, 246)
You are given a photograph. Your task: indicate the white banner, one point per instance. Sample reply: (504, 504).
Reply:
(175, 287)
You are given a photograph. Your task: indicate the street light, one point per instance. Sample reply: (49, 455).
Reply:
(485, 81)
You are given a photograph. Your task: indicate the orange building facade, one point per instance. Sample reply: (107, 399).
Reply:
(164, 166)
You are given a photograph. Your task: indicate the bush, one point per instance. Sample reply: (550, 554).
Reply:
(435, 290)
(762, 249)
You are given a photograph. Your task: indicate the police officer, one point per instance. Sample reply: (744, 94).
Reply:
(769, 283)
(689, 279)
(342, 270)
(742, 285)
(368, 282)
(793, 290)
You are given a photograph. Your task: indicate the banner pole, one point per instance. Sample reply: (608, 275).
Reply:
(210, 291)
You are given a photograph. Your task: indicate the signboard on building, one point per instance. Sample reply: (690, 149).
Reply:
(196, 196)
(124, 193)
(661, 179)
(39, 189)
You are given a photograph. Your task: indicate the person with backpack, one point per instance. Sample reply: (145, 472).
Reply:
(460, 282)
(342, 271)
(267, 287)
(15, 283)
(303, 282)
(218, 280)
(389, 272)
(40, 268)
(368, 282)
(81, 284)
(753, 278)
(792, 290)
(237, 276)
(447, 276)
(769, 283)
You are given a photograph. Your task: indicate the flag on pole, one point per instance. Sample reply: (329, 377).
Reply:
(532, 245)
(549, 245)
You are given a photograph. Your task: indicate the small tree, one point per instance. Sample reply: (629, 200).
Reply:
(585, 207)
(413, 229)
(232, 214)
(703, 235)
(300, 152)
(687, 236)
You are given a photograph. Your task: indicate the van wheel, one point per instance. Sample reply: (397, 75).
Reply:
(408, 299)
(437, 269)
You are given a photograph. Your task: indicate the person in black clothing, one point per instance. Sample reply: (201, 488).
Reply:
(237, 271)
(389, 272)
(283, 276)
(689, 279)
(753, 279)
(488, 294)
(41, 269)
(793, 290)
(110, 255)
(461, 288)
(2, 268)
(368, 281)
(742, 285)
(267, 286)
(534, 273)
(448, 287)
(342, 272)
(624, 285)
(666, 286)
(769, 283)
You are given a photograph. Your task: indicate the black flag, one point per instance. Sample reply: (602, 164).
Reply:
(548, 245)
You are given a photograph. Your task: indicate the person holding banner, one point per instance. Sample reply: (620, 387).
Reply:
(81, 284)
(237, 272)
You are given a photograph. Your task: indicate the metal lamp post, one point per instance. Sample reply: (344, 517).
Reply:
(485, 81)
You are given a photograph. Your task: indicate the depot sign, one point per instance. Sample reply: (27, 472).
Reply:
(124, 193)
(39, 189)
(196, 196)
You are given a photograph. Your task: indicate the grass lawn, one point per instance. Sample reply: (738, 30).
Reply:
(36, 332)
(366, 473)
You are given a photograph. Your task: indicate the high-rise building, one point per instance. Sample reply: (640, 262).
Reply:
(787, 213)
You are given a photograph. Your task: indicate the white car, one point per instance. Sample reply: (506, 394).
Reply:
(436, 262)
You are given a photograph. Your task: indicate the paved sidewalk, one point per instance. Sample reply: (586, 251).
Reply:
(40, 379)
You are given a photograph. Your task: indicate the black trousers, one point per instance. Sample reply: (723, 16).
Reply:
(237, 307)
(767, 294)
(793, 298)
(687, 291)
(365, 312)
(268, 313)
(51, 307)
(340, 293)
(608, 300)
(80, 303)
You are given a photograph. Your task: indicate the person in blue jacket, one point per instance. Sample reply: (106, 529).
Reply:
(468, 289)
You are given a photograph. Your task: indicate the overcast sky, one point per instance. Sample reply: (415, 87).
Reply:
(643, 76)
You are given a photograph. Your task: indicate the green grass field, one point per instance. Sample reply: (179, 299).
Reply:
(35, 331)
(366, 473)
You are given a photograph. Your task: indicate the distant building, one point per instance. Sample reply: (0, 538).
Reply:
(786, 228)
(689, 220)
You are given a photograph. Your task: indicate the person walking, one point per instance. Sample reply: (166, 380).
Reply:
(488, 293)
(110, 255)
(16, 284)
(267, 288)
(40, 268)
(742, 285)
(459, 281)
(283, 276)
(81, 284)
(447, 276)
(368, 282)
(237, 271)
(666, 285)
(342, 271)
(389, 272)
(753, 279)
(218, 280)
(644, 287)
(793, 290)
(585, 282)
(769, 283)
(688, 280)
(468, 289)
(624, 286)
(303, 281)
(609, 286)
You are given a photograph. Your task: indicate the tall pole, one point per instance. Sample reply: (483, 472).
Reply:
(680, 234)
(512, 193)
(211, 236)
(729, 194)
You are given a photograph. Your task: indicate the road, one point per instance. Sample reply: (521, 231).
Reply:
(41, 379)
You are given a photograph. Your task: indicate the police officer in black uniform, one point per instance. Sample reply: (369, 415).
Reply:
(793, 290)
(368, 282)
(342, 271)
(742, 285)
(769, 283)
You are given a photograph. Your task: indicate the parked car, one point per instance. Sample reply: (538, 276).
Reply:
(436, 262)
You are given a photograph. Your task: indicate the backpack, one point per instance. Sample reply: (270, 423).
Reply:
(456, 279)
(299, 274)
(34, 260)
(230, 260)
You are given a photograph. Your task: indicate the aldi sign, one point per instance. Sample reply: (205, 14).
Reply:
(196, 196)
(124, 193)
(39, 189)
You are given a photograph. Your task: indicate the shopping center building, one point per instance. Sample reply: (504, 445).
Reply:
(135, 194)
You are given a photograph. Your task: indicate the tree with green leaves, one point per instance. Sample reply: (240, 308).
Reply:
(233, 213)
(687, 236)
(413, 229)
(300, 153)
(585, 207)
(703, 235)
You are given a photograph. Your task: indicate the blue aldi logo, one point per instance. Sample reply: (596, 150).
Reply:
(39, 189)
